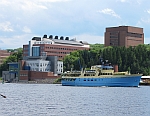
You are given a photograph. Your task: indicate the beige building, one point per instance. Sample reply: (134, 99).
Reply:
(124, 36)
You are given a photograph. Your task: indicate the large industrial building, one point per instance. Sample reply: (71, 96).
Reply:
(49, 46)
(124, 36)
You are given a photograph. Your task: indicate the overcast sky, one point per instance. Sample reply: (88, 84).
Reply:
(86, 20)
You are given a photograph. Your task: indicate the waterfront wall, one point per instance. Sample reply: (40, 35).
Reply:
(26, 75)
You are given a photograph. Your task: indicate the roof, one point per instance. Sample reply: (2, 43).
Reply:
(71, 42)
(12, 63)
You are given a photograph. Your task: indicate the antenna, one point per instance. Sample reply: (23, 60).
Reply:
(101, 60)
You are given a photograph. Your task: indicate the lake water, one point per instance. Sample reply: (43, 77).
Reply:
(57, 100)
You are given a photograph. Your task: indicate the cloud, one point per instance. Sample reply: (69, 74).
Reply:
(16, 41)
(28, 5)
(123, 0)
(109, 12)
(11, 43)
(5, 2)
(131, 2)
(146, 20)
(54, 0)
(146, 40)
(26, 29)
(1, 41)
(91, 39)
(148, 11)
(6, 26)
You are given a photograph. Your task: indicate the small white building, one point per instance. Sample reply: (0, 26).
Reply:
(44, 63)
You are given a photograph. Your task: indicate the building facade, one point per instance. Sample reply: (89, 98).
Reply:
(124, 36)
(34, 68)
(49, 46)
(43, 64)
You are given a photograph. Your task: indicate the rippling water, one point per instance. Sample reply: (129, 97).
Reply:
(57, 100)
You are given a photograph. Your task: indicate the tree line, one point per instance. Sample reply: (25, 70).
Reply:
(133, 59)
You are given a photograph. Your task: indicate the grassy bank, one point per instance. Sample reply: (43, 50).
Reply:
(57, 81)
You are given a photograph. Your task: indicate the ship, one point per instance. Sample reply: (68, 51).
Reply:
(100, 76)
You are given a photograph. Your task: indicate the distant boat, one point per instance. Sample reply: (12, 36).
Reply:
(100, 75)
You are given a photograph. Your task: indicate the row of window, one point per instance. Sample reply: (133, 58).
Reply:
(42, 64)
(134, 35)
(25, 52)
(114, 44)
(60, 48)
(114, 40)
(43, 42)
(41, 69)
(25, 48)
(58, 52)
(134, 39)
(114, 33)
(59, 70)
(37, 64)
(114, 36)
(23, 75)
(70, 79)
(92, 79)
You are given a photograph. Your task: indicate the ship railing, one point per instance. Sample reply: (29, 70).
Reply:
(121, 73)
(90, 71)
(76, 71)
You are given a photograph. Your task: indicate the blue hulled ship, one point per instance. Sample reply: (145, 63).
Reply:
(100, 75)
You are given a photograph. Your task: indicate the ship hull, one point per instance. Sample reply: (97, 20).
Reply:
(123, 81)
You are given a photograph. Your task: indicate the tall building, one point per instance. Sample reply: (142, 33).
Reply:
(49, 46)
(124, 36)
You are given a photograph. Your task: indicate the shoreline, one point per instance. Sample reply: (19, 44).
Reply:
(43, 81)
(52, 82)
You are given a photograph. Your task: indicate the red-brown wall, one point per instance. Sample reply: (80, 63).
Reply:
(123, 37)
(41, 75)
(24, 74)
(33, 75)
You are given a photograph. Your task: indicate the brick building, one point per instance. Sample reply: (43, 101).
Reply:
(124, 36)
(3, 54)
(49, 46)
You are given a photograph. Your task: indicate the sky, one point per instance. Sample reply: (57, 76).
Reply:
(86, 20)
